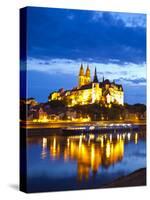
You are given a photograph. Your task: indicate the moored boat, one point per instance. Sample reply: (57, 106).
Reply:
(112, 128)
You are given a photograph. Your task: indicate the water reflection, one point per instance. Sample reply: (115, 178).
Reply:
(44, 148)
(136, 138)
(89, 151)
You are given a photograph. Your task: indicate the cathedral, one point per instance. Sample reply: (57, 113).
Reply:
(90, 91)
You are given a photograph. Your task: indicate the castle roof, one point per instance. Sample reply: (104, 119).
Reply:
(106, 81)
(101, 85)
(83, 87)
(87, 86)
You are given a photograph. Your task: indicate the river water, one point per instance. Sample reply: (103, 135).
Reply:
(85, 161)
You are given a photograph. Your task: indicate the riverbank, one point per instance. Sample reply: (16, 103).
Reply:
(64, 124)
(70, 128)
(137, 178)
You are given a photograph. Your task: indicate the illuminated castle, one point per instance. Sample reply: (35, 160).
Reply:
(90, 91)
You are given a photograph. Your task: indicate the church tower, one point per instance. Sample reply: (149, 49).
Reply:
(87, 75)
(95, 80)
(96, 91)
(103, 79)
(81, 76)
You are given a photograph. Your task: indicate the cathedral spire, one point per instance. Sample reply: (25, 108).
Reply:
(87, 73)
(95, 80)
(81, 72)
(103, 79)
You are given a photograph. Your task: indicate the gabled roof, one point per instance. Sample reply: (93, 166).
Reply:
(83, 87)
(87, 86)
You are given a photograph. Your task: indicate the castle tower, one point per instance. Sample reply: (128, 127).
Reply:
(96, 90)
(87, 75)
(95, 80)
(81, 76)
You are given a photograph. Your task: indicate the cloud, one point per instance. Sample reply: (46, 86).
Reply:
(131, 20)
(125, 19)
(128, 73)
(135, 81)
(106, 72)
(74, 35)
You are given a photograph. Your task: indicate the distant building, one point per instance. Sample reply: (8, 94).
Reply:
(29, 101)
(42, 115)
(54, 117)
(90, 91)
(135, 116)
(71, 114)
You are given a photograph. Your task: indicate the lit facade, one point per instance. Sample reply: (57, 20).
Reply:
(90, 91)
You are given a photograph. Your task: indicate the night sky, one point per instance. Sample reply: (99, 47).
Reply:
(59, 40)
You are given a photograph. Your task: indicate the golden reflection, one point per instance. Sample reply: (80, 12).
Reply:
(44, 148)
(124, 136)
(68, 142)
(129, 136)
(53, 149)
(90, 156)
(110, 137)
(91, 136)
(118, 136)
(54, 143)
(108, 149)
(102, 142)
(44, 143)
(136, 138)
(80, 141)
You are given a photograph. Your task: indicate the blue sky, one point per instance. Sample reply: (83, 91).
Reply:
(59, 40)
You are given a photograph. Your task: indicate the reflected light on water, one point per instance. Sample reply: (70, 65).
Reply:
(86, 158)
(118, 136)
(136, 138)
(110, 137)
(44, 148)
(89, 152)
(89, 156)
(108, 149)
(68, 142)
(53, 150)
(44, 143)
(92, 156)
(129, 136)
(124, 135)
(80, 141)
(102, 142)
(54, 143)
